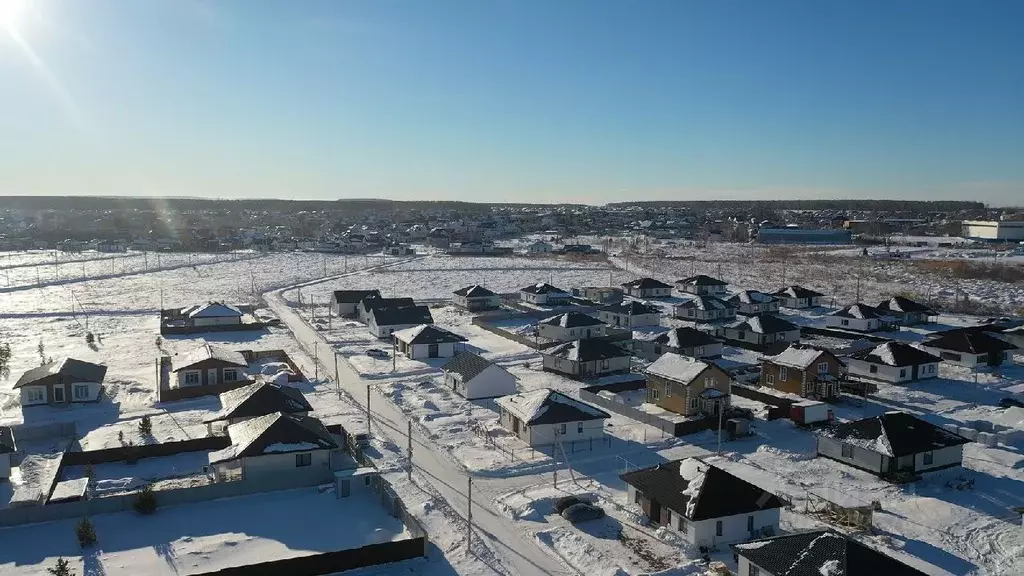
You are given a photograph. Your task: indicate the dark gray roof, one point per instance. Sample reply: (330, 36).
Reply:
(820, 552)
(207, 351)
(720, 493)
(706, 303)
(895, 354)
(586, 350)
(571, 320)
(260, 399)
(427, 334)
(468, 365)
(764, 324)
(903, 433)
(751, 297)
(796, 291)
(275, 433)
(645, 284)
(7, 440)
(474, 291)
(859, 311)
(542, 288)
(970, 341)
(402, 315)
(631, 307)
(702, 280)
(353, 296)
(901, 304)
(684, 337)
(376, 303)
(545, 406)
(84, 371)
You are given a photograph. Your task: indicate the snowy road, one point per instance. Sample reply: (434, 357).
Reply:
(516, 550)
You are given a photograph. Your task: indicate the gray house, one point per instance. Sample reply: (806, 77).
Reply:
(702, 285)
(816, 553)
(891, 445)
(570, 326)
(763, 330)
(798, 297)
(905, 311)
(475, 298)
(346, 302)
(647, 288)
(277, 445)
(685, 341)
(705, 309)
(209, 364)
(586, 359)
(629, 314)
(753, 302)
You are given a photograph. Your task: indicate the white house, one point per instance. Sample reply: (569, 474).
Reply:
(539, 247)
(474, 377)
(970, 348)
(763, 330)
(346, 302)
(892, 444)
(209, 364)
(647, 288)
(684, 340)
(213, 314)
(702, 285)
(543, 293)
(893, 362)
(630, 314)
(475, 298)
(704, 504)
(543, 417)
(570, 326)
(905, 311)
(705, 309)
(383, 322)
(61, 382)
(586, 359)
(798, 297)
(427, 341)
(7, 447)
(859, 317)
(275, 446)
(816, 553)
(752, 303)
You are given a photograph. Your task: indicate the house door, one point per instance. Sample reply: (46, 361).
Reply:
(654, 511)
(515, 425)
(995, 358)
(345, 488)
(588, 332)
(905, 463)
(432, 351)
(913, 372)
(211, 376)
(58, 393)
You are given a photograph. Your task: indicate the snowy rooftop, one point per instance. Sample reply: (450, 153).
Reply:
(796, 356)
(677, 367)
(546, 406)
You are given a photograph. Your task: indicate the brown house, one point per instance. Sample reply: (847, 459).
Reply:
(208, 365)
(802, 369)
(60, 382)
(687, 386)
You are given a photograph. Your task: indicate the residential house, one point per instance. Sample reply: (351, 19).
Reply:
(816, 553)
(427, 341)
(647, 288)
(383, 322)
(60, 382)
(702, 503)
(798, 297)
(893, 362)
(702, 285)
(276, 446)
(684, 341)
(803, 370)
(586, 359)
(212, 314)
(255, 400)
(1014, 336)
(346, 302)
(439, 238)
(687, 386)
(475, 298)
(895, 443)
(570, 326)
(859, 317)
(601, 294)
(969, 348)
(905, 311)
(543, 417)
(630, 314)
(474, 377)
(539, 247)
(7, 447)
(705, 309)
(372, 302)
(544, 294)
(209, 364)
(752, 303)
(763, 330)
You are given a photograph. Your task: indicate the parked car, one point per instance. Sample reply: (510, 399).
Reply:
(376, 353)
(361, 439)
(1010, 403)
(582, 512)
(564, 502)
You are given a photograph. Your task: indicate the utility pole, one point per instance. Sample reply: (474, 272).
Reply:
(721, 409)
(469, 516)
(367, 409)
(316, 360)
(394, 354)
(409, 441)
(337, 378)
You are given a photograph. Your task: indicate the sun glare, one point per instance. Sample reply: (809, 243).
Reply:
(12, 13)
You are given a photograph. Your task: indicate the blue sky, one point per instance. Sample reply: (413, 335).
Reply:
(532, 101)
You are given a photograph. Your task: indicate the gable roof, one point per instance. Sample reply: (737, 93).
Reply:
(260, 399)
(895, 434)
(820, 552)
(375, 302)
(468, 365)
(275, 433)
(751, 297)
(427, 334)
(7, 445)
(799, 356)
(677, 368)
(796, 291)
(901, 304)
(401, 315)
(684, 337)
(546, 406)
(542, 288)
(706, 303)
(699, 491)
(207, 351)
(763, 324)
(212, 310)
(859, 311)
(474, 291)
(84, 371)
(895, 354)
(353, 296)
(571, 320)
(586, 350)
(645, 284)
(970, 341)
(631, 307)
(702, 280)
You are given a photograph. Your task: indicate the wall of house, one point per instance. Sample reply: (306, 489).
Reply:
(344, 308)
(788, 302)
(743, 568)
(490, 383)
(614, 319)
(217, 321)
(568, 334)
(966, 360)
(276, 465)
(5, 465)
(544, 434)
(204, 367)
(793, 383)
(715, 290)
(676, 401)
(890, 373)
(705, 315)
(27, 392)
(756, 308)
(862, 457)
(859, 324)
(598, 368)
(650, 292)
(422, 351)
(941, 458)
(560, 365)
(734, 528)
(483, 303)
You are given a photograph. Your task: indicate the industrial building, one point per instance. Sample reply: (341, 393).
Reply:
(994, 231)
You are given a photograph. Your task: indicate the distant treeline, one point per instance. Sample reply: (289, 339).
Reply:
(847, 205)
(189, 204)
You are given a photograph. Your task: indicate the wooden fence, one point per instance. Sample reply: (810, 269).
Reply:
(139, 451)
(331, 562)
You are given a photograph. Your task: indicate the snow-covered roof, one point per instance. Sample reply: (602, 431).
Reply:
(798, 356)
(586, 350)
(543, 288)
(897, 354)
(80, 369)
(474, 291)
(212, 310)
(796, 291)
(208, 351)
(751, 297)
(763, 324)
(677, 368)
(546, 406)
(859, 311)
(705, 303)
(427, 334)
(701, 280)
(894, 434)
(260, 399)
(274, 433)
(571, 320)
(820, 553)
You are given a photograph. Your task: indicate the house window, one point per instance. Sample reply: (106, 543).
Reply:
(191, 378)
(709, 382)
(579, 427)
(698, 351)
(668, 390)
(753, 570)
(561, 428)
(783, 373)
(931, 368)
(657, 350)
(58, 393)
(81, 391)
(950, 356)
(903, 372)
(873, 369)
(654, 394)
(928, 457)
(682, 525)
(572, 332)
(780, 336)
(750, 523)
(847, 451)
(35, 395)
(822, 367)
(769, 379)
(304, 459)
(741, 336)
(605, 364)
(693, 403)
(846, 322)
(637, 497)
(230, 374)
(689, 312)
(755, 307)
(718, 528)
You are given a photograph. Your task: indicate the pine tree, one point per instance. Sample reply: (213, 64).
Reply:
(145, 426)
(145, 501)
(86, 533)
(63, 568)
